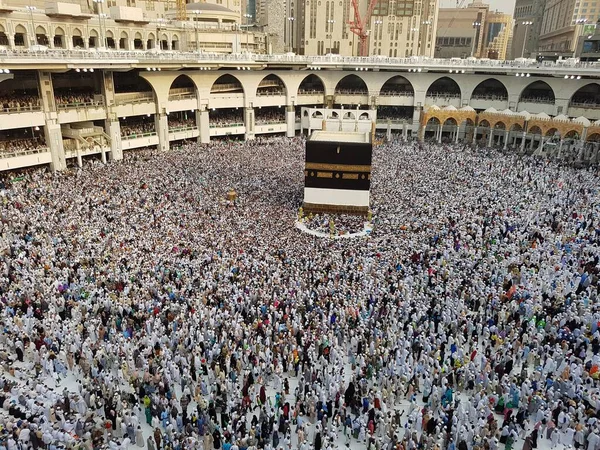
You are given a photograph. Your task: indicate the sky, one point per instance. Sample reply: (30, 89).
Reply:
(506, 6)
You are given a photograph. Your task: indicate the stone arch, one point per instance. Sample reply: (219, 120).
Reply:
(595, 137)
(20, 36)
(351, 84)
(131, 82)
(535, 130)
(364, 116)
(484, 124)
(586, 95)
(271, 84)
(349, 115)
(444, 86)
(516, 127)
(397, 85)
(182, 85)
(312, 84)
(93, 33)
(551, 132)
(572, 134)
(450, 121)
(491, 87)
(536, 91)
(317, 115)
(333, 115)
(306, 113)
(76, 32)
(433, 120)
(499, 125)
(227, 83)
(41, 36)
(175, 42)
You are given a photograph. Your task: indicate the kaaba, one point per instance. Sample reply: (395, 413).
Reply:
(337, 173)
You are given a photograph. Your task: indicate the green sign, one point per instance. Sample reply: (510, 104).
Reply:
(589, 29)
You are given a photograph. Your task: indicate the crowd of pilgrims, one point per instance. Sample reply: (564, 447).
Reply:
(140, 308)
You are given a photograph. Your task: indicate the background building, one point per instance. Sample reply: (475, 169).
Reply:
(473, 31)
(212, 26)
(497, 35)
(460, 31)
(564, 23)
(528, 16)
(396, 28)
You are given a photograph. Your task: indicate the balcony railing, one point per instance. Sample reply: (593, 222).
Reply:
(20, 109)
(226, 125)
(33, 151)
(138, 135)
(397, 94)
(182, 96)
(133, 98)
(584, 105)
(186, 128)
(270, 122)
(78, 105)
(394, 121)
(7, 55)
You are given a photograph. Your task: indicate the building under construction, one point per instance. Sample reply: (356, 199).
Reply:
(394, 28)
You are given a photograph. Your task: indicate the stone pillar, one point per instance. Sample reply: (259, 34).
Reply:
(103, 156)
(53, 136)
(456, 133)
(523, 141)
(505, 139)
(560, 146)
(290, 119)
(439, 133)
(203, 124)
(161, 123)
(404, 132)
(79, 158)
(249, 122)
(474, 135)
(532, 142)
(491, 137)
(114, 132)
(52, 130)
(540, 147)
(388, 134)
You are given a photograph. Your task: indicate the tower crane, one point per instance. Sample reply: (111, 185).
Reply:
(182, 9)
(359, 26)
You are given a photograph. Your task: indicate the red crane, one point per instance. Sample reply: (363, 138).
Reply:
(359, 27)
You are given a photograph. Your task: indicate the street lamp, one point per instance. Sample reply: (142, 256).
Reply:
(580, 28)
(527, 23)
(101, 15)
(291, 26)
(195, 18)
(159, 22)
(426, 23)
(476, 26)
(330, 23)
(247, 17)
(31, 9)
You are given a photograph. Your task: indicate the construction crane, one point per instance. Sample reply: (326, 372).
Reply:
(182, 10)
(359, 26)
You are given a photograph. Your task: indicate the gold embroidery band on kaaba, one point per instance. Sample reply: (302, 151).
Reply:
(349, 176)
(324, 174)
(337, 167)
